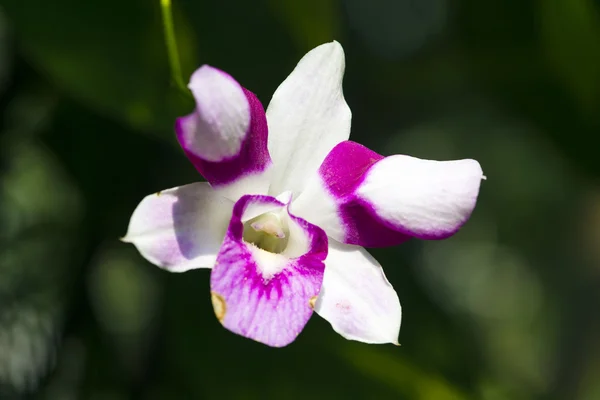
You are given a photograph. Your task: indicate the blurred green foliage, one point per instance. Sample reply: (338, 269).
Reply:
(507, 309)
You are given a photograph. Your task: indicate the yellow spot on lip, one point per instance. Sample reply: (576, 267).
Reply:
(219, 305)
(159, 193)
(313, 301)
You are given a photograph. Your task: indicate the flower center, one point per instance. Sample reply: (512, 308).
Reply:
(267, 232)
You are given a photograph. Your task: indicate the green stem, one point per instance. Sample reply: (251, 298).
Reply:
(171, 42)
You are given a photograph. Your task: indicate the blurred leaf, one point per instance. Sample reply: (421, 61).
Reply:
(65, 383)
(27, 344)
(124, 294)
(527, 177)
(570, 32)
(311, 22)
(5, 53)
(406, 378)
(36, 251)
(39, 213)
(472, 278)
(491, 275)
(590, 386)
(125, 298)
(110, 55)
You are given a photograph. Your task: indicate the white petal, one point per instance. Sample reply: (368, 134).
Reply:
(356, 297)
(423, 198)
(181, 228)
(307, 117)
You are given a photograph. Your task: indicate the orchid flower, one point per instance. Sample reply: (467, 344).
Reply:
(289, 204)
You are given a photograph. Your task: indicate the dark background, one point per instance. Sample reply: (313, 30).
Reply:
(506, 309)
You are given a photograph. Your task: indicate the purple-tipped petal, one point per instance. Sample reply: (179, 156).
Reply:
(360, 197)
(265, 296)
(356, 298)
(307, 117)
(181, 228)
(226, 135)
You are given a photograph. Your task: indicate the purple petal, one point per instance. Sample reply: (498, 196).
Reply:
(226, 135)
(360, 197)
(265, 296)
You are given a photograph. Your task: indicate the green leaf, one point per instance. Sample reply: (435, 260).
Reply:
(110, 55)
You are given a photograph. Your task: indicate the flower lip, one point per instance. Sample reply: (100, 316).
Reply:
(260, 294)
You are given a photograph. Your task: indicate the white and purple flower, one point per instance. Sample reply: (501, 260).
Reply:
(290, 201)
